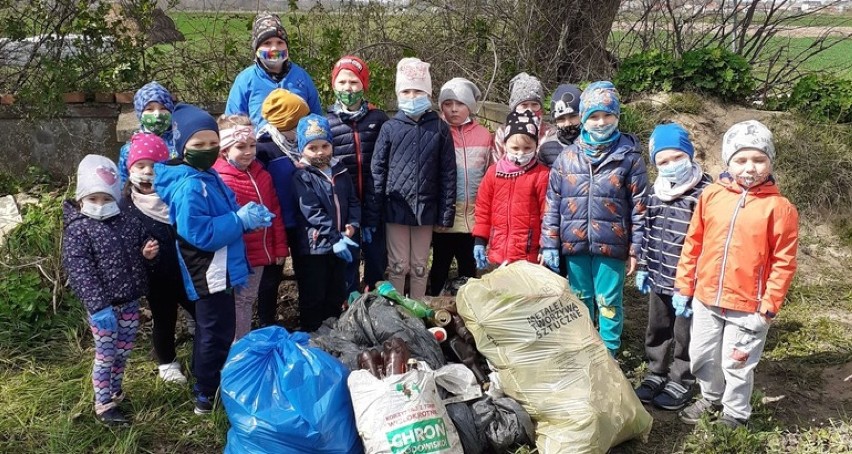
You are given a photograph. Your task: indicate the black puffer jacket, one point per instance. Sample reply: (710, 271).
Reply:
(414, 173)
(354, 143)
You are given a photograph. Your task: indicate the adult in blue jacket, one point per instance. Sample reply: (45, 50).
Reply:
(210, 227)
(272, 69)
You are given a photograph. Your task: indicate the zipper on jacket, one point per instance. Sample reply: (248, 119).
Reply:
(417, 214)
(760, 284)
(509, 218)
(260, 197)
(335, 198)
(589, 228)
(464, 157)
(740, 204)
(358, 160)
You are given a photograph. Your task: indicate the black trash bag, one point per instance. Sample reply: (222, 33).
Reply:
(504, 422)
(473, 441)
(369, 322)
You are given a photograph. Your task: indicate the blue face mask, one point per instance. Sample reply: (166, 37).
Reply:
(414, 107)
(602, 133)
(677, 171)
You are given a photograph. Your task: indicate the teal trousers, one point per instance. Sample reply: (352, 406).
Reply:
(599, 282)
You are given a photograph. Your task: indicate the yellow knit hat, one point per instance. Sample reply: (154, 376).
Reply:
(283, 109)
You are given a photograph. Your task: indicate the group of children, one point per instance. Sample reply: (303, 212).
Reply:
(211, 209)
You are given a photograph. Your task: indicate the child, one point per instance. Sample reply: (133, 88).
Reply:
(101, 254)
(746, 235)
(251, 183)
(210, 227)
(680, 181)
(414, 174)
(278, 152)
(329, 215)
(153, 105)
(565, 111)
(272, 69)
(510, 202)
(526, 94)
(355, 125)
(166, 291)
(473, 144)
(596, 210)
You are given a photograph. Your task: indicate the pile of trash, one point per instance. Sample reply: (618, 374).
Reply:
(396, 375)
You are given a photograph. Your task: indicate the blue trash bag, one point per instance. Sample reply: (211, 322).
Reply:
(282, 396)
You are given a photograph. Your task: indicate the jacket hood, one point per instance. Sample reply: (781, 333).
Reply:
(70, 212)
(628, 143)
(170, 175)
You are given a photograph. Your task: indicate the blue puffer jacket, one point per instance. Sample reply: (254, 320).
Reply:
(209, 233)
(598, 211)
(103, 259)
(666, 224)
(414, 173)
(124, 173)
(253, 85)
(354, 143)
(281, 168)
(326, 206)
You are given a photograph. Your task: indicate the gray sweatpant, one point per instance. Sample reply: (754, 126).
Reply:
(724, 350)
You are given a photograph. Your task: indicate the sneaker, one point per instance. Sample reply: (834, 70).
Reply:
(674, 396)
(731, 422)
(699, 408)
(119, 397)
(170, 373)
(113, 417)
(650, 386)
(203, 405)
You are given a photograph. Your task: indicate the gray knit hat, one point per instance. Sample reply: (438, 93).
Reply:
(461, 90)
(525, 87)
(747, 134)
(267, 25)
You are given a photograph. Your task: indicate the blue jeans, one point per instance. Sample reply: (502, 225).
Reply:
(599, 282)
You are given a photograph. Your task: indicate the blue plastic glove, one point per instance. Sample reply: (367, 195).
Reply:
(680, 304)
(104, 319)
(367, 234)
(341, 249)
(480, 257)
(642, 282)
(551, 258)
(254, 216)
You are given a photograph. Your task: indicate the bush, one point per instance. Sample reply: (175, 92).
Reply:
(823, 98)
(712, 71)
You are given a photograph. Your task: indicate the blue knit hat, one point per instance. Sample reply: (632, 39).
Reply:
(187, 120)
(310, 128)
(565, 101)
(599, 96)
(152, 92)
(670, 136)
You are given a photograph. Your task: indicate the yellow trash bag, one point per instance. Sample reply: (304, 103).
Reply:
(549, 357)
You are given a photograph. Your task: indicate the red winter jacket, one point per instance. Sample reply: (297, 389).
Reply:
(508, 213)
(255, 185)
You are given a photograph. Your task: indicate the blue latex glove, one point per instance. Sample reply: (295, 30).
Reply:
(341, 248)
(642, 282)
(254, 216)
(367, 234)
(480, 257)
(680, 304)
(104, 319)
(551, 258)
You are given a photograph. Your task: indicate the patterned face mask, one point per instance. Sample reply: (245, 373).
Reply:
(158, 123)
(272, 56)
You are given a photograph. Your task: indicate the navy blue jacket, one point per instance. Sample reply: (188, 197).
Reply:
(354, 143)
(666, 224)
(326, 206)
(281, 168)
(167, 273)
(597, 210)
(103, 259)
(414, 173)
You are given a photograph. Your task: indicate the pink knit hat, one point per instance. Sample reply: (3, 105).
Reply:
(146, 145)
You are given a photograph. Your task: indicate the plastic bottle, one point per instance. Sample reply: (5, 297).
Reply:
(421, 310)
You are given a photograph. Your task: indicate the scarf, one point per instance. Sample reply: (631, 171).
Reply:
(595, 150)
(508, 169)
(151, 205)
(287, 146)
(667, 191)
(349, 115)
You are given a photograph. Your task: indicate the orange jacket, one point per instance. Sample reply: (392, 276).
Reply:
(740, 249)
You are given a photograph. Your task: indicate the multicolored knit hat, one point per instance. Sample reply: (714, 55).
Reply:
(267, 25)
(521, 123)
(599, 96)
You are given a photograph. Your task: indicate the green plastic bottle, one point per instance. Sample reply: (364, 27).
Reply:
(421, 310)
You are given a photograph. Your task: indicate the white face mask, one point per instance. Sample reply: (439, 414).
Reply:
(138, 178)
(522, 159)
(99, 212)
